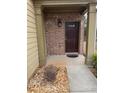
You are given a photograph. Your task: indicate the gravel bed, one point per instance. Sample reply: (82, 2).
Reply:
(38, 84)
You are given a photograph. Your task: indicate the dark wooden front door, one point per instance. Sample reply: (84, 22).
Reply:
(71, 36)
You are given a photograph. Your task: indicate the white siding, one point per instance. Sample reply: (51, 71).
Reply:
(32, 49)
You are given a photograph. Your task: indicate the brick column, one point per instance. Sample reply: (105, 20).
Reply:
(91, 33)
(40, 35)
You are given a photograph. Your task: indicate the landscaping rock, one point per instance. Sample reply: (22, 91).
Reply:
(50, 73)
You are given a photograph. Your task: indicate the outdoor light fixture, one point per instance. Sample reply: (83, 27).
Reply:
(59, 22)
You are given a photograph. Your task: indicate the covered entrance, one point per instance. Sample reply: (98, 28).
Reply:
(51, 34)
(71, 36)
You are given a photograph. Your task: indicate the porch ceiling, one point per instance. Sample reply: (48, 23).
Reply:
(65, 8)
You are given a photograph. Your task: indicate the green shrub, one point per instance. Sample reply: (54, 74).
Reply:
(94, 60)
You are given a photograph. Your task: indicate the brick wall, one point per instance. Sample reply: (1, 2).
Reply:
(55, 36)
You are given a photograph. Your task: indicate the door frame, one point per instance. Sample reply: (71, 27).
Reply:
(77, 38)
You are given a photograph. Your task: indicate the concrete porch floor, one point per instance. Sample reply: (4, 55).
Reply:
(81, 80)
(64, 60)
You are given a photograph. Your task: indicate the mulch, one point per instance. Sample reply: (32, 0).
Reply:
(94, 71)
(38, 84)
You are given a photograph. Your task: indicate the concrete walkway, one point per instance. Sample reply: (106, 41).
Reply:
(81, 80)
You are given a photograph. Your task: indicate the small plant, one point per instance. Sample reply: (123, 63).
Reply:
(94, 60)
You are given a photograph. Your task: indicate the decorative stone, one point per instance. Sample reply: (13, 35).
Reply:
(50, 73)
